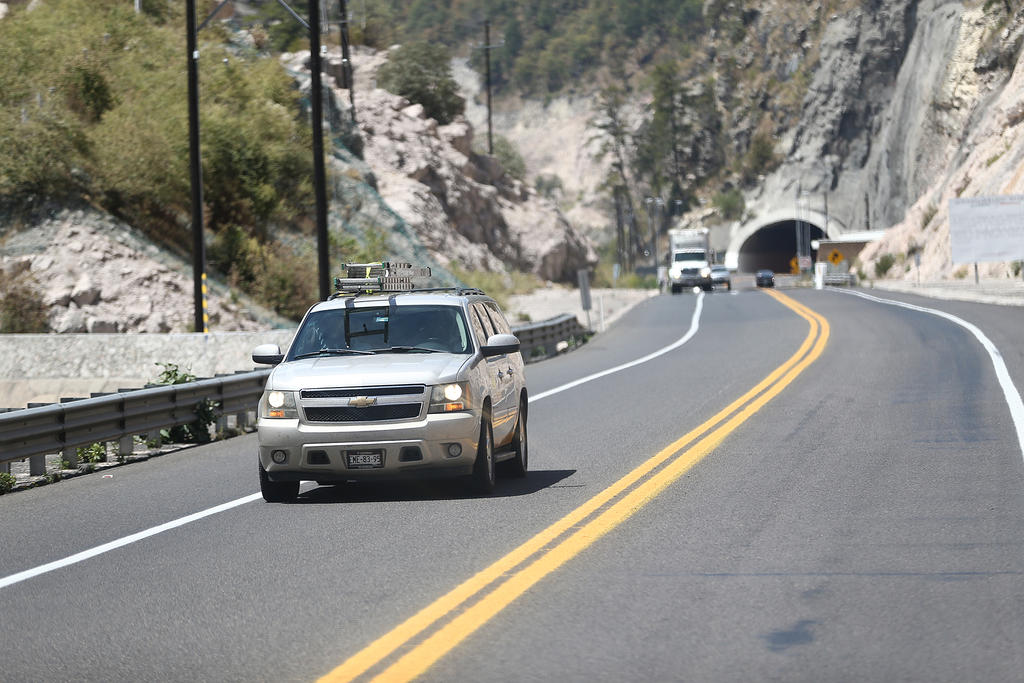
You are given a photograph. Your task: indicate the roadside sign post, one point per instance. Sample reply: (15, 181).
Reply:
(583, 277)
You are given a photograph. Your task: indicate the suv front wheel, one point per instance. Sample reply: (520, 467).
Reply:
(277, 491)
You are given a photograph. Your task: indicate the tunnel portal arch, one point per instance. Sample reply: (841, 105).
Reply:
(771, 241)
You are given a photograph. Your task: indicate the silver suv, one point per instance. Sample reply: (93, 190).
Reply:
(380, 384)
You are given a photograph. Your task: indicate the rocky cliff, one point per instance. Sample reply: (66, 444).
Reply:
(461, 205)
(419, 185)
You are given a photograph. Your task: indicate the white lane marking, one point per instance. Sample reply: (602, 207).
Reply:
(1013, 399)
(141, 535)
(694, 326)
(113, 545)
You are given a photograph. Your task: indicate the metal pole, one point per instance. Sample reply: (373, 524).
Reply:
(196, 173)
(799, 188)
(319, 174)
(487, 60)
(346, 60)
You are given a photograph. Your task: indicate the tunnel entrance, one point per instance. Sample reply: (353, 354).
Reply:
(774, 246)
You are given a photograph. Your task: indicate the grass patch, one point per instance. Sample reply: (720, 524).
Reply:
(884, 263)
(498, 286)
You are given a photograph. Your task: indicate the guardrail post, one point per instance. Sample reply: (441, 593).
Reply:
(69, 455)
(37, 466)
(5, 468)
(126, 446)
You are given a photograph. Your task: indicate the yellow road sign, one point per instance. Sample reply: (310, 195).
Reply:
(794, 266)
(835, 257)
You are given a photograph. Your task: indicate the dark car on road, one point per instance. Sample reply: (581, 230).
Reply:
(764, 278)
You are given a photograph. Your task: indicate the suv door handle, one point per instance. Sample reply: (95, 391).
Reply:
(501, 374)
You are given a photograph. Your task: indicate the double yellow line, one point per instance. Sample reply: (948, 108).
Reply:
(497, 586)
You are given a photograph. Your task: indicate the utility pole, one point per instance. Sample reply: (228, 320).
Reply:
(319, 173)
(195, 173)
(487, 60)
(346, 61)
(487, 47)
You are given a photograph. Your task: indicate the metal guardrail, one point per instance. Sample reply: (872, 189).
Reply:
(840, 279)
(545, 338)
(63, 427)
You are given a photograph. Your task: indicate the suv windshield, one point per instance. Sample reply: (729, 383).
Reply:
(382, 329)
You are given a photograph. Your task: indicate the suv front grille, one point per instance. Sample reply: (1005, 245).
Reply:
(397, 411)
(411, 389)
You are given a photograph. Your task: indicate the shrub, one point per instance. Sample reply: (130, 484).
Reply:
(730, 204)
(548, 185)
(509, 158)
(883, 264)
(22, 309)
(197, 431)
(7, 482)
(421, 72)
(929, 214)
(761, 157)
(93, 453)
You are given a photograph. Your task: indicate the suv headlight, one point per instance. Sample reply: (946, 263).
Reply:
(278, 404)
(449, 398)
(705, 272)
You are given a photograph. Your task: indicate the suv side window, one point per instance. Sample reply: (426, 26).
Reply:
(497, 319)
(481, 324)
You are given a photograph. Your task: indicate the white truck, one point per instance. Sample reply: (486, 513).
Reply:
(691, 259)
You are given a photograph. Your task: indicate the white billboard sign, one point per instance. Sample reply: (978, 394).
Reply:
(987, 228)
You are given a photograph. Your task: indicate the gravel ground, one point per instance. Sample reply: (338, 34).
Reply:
(607, 305)
(1005, 292)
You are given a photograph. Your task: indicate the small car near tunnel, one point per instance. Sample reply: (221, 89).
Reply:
(384, 382)
(764, 278)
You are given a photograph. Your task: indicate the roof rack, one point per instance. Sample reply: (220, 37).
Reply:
(383, 276)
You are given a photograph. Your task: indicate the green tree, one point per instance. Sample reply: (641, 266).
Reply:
(421, 72)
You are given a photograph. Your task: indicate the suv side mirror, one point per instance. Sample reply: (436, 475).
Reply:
(267, 354)
(500, 344)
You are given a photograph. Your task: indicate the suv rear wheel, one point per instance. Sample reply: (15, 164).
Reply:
(483, 469)
(277, 491)
(520, 464)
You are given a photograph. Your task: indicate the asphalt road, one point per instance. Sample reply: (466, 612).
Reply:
(857, 518)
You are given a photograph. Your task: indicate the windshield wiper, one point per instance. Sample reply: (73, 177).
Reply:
(407, 349)
(334, 352)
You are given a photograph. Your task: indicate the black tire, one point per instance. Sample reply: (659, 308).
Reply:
(483, 477)
(277, 491)
(520, 464)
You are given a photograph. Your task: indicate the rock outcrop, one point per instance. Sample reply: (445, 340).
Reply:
(461, 205)
(96, 274)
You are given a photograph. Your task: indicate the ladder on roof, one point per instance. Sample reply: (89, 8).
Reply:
(383, 276)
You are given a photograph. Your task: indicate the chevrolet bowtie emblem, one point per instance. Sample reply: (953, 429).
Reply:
(362, 401)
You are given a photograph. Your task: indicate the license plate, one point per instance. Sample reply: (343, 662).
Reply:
(365, 460)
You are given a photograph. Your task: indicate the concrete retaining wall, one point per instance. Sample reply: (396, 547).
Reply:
(45, 367)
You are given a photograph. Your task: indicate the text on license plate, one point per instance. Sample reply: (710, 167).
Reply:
(364, 460)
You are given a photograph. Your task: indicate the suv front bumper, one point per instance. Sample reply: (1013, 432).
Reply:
(417, 449)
